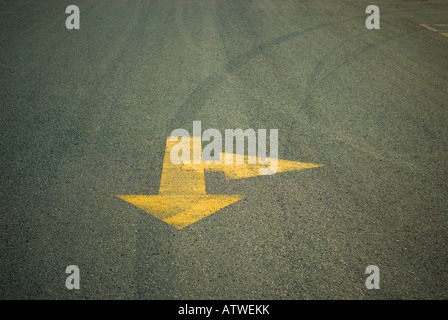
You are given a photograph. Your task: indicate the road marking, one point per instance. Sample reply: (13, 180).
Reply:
(428, 27)
(182, 198)
(437, 27)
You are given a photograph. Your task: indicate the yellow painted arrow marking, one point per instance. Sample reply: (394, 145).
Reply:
(182, 199)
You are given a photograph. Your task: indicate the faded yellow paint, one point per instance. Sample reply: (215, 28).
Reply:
(182, 198)
(428, 27)
(441, 31)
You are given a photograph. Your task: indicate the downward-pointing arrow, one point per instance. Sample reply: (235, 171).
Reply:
(182, 199)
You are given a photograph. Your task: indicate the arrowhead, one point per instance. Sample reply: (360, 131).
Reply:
(180, 210)
(235, 170)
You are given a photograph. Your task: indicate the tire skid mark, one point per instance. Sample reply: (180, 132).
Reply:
(195, 100)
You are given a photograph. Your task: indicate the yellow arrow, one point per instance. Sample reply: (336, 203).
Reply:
(182, 199)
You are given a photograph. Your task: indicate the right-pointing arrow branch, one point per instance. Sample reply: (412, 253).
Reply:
(182, 199)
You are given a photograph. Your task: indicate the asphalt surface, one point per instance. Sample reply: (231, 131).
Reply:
(85, 115)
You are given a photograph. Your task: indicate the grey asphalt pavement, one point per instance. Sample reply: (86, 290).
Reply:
(85, 115)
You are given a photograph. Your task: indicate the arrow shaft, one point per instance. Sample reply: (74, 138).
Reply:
(182, 179)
